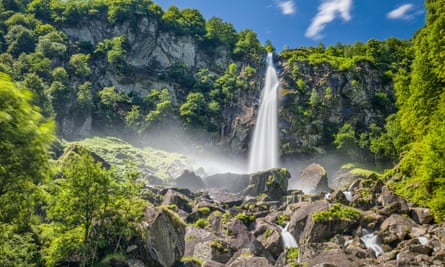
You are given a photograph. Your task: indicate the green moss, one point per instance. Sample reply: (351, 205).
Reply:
(292, 253)
(282, 219)
(118, 153)
(204, 210)
(201, 223)
(192, 259)
(245, 218)
(336, 212)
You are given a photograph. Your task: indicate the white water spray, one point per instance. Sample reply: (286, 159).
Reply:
(370, 241)
(288, 239)
(264, 152)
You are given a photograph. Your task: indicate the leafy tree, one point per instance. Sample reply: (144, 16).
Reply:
(219, 32)
(19, 40)
(194, 111)
(346, 140)
(24, 140)
(162, 107)
(79, 65)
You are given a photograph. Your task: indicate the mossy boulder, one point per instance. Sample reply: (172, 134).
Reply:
(272, 182)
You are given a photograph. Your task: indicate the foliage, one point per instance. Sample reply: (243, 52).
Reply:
(247, 219)
(336, 212)
(201, 223)
(418, 127)
(23, 164)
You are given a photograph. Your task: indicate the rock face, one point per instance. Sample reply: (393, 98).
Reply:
(156, 58)
(164, 238)
(272, 182)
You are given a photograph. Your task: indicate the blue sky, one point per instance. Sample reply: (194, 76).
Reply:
(295, 23)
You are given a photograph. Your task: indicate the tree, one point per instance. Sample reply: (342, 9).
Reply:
(25, 137)
(194, 110)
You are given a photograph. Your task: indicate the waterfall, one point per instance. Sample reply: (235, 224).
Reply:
(370, 241)
(264, 152)
(348, 195)
(288, 239)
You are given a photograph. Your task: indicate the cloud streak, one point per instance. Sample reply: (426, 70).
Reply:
(327, 12)
(287, 7)
(402, 12)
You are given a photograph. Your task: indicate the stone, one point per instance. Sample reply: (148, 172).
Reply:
(190, 180)
(215, 250)
(313, 179)
(233, 183)
(272, 183)
(269, 237)
(396, 228)
(388, 198)
(421, 215)
(181, 201)
(301, 222)
(162, 240)
(249, 261)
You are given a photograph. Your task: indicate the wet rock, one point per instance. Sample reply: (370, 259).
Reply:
(272, 183)
(164, 239)
(313, 179)
(190, 180)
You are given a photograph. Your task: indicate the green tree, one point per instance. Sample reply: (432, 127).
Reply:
(194, 110)
(25, 137)
(162, 107)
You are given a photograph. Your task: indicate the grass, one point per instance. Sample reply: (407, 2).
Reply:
(119, 153)
(336, 212)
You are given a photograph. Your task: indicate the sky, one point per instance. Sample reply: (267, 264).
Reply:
(296, 23)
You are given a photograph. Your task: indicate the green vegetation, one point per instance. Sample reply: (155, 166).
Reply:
(417, 131)
(118, 152)
(336, 212)
(201, 223)
(247, 219)
(282, 219)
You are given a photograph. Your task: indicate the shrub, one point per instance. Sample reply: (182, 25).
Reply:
(336, 212)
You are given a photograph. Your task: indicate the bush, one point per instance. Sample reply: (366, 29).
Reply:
(336, 212)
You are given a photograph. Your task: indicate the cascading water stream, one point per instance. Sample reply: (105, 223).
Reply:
(288, 239)
(264, 151)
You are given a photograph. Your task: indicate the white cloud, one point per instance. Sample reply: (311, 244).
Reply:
(402, 12)
(287, 7)
(327, 12)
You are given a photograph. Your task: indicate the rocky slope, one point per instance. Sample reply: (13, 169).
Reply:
(374, 228)
(247, 220)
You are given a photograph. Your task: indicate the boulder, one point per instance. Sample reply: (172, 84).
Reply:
(215, 250)
(249, 261)
(181, 201)
(269, 237)
(194, 236)
(272, 183)
(313, 179)
(421, 215)
(190, 180)
(388, 198)
(162, 240)
(233, 183)
(396, 228)
(301, 222)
